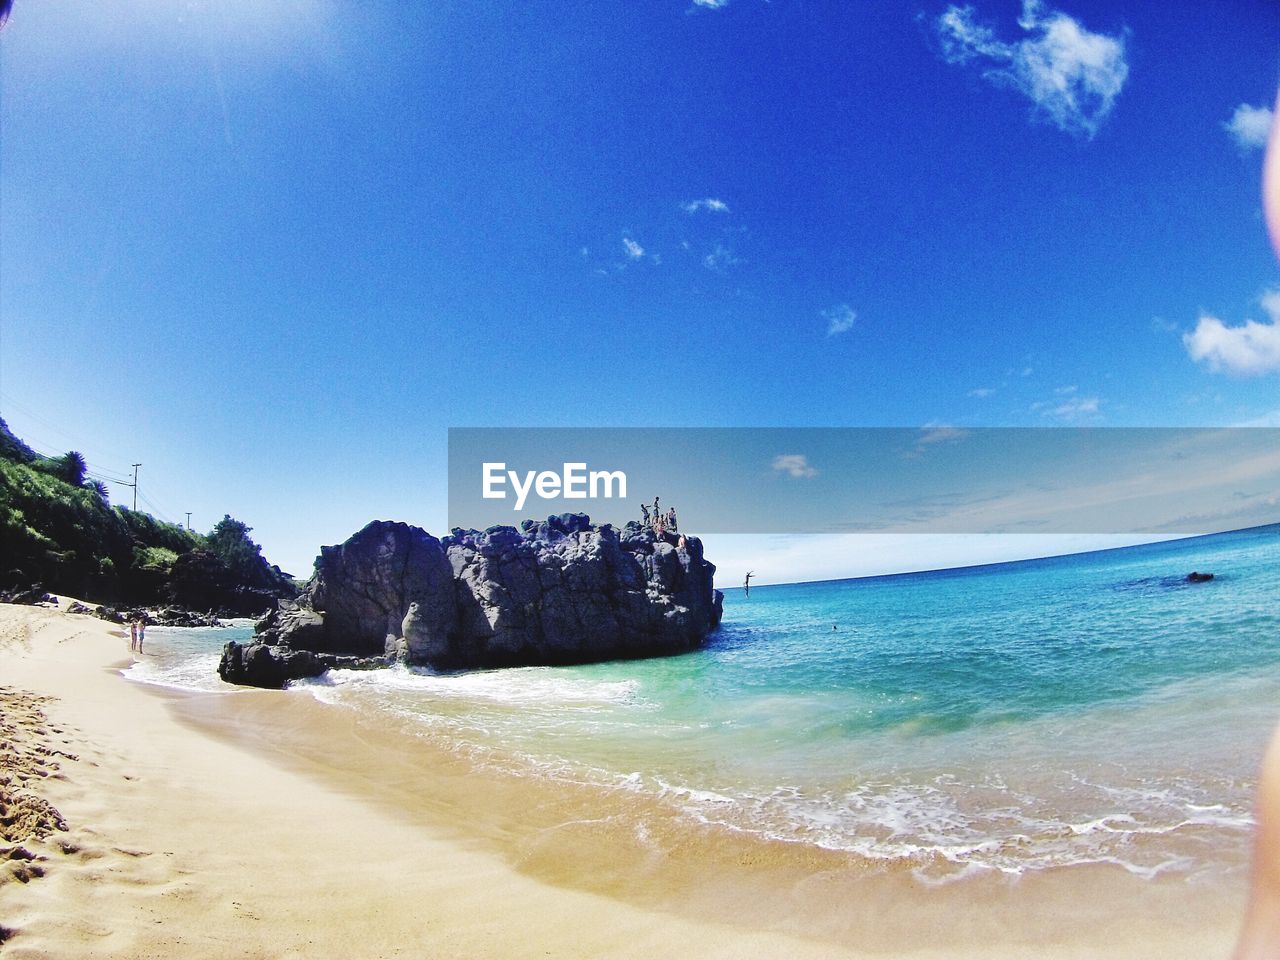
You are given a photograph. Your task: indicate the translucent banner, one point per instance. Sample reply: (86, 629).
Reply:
(858, 480)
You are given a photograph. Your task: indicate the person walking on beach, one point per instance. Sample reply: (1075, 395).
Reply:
(133, 635)
(746, 584)
(142, 630)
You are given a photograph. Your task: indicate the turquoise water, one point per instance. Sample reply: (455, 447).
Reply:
(1007, 718)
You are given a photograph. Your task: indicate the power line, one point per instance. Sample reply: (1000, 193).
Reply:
(99, 475)
(105, 474)
(28, 412)
(158, 512)
(50, 452)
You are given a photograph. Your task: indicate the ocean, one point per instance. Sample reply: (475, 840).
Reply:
(993, 720)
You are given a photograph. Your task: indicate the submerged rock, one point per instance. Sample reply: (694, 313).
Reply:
(263, 665)
(553, 592)
(1195, 576)
(258, 664)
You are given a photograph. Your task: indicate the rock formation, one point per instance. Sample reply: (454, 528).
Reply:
(553, 592)
(200, 580)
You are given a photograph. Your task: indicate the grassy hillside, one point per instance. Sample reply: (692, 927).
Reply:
(58, 529)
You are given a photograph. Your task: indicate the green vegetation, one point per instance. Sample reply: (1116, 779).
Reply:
(147, 529)
(230, 541)
(157, 559)
(11, 448)
(69, 468)
(58, 529)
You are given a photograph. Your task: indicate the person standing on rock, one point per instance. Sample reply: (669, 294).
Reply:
(657, 514)
(746, 584)
(644, 513)
(671, 520)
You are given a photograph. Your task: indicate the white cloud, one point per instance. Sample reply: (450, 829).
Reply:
(1076, 408)
(711, 4)
(634, 250)
(1072, 75)
(794, 465)
(1248, 350)
(940, 433)
(982, 392)
(1065, 391)
(708, 203)
(1249, 126)
(840, 319)
(721, 258)
(932, 434)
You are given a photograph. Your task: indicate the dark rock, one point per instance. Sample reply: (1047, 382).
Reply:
(362, 590)
(110, 614)
(176, 617)
(200, 580)
(273, 667)
(28, 596)
(552, 592)
(80, 608)
(1195, 576)
(303, 626)
(262, 665)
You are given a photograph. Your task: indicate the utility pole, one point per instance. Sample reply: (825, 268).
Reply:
(188, 519)
(135, 486)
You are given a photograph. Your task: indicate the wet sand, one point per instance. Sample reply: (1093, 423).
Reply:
(259, 824)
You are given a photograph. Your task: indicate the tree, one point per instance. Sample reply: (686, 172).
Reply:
(100, 488)
(230, 541)
(69, 468)
(73, 467)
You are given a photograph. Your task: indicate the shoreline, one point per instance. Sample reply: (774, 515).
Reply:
(258, 824)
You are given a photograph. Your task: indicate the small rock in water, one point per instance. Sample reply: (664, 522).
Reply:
(1195, 576)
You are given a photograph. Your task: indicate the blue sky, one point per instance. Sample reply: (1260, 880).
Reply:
(273, 250)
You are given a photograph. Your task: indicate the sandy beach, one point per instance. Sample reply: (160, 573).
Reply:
(258, 824)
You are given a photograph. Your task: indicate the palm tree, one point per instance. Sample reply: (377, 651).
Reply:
(100, 488)
(73, 467)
